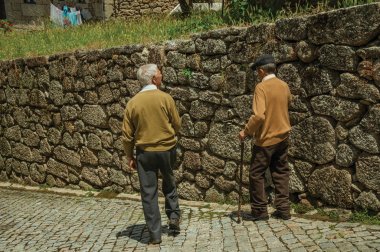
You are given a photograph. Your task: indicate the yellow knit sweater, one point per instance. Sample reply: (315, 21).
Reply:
(151, 122)
(269, 123)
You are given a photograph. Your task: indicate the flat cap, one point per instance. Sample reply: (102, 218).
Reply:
(262, 60)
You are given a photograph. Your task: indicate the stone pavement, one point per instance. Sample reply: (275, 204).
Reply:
(35, 221)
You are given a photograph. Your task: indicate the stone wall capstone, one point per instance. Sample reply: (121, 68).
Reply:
(61, 115)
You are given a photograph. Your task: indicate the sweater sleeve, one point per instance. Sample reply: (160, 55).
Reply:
(174, 116)
(128, 132)
(258, 116)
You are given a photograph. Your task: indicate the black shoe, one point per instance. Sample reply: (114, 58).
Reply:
(280, 215)
(174, 225)
(254, 217)
(155, 241)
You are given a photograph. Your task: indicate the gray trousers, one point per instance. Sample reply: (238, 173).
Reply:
(148, 165)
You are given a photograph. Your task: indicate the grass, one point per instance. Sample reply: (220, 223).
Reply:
(106, 34)
(365, 217)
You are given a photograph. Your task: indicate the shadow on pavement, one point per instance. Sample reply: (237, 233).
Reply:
(140, 233)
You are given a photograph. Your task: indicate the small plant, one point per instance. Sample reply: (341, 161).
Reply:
(301, 208)
(365, 217)
(5, 25)
(187, 73)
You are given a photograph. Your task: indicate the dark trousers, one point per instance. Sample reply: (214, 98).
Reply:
(148, 165)
(276, 158)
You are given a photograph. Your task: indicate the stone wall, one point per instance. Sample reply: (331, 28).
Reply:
(61, 115)
(20, 12)
(137, 8)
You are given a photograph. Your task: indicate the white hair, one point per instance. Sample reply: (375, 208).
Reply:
(145, 74)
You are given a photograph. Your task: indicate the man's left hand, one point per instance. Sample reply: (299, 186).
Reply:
(132, 163)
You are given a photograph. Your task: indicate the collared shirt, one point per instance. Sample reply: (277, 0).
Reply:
(148, 87)
(269, 76)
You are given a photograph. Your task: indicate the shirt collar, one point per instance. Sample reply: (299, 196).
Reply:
(269, 76)
(148, 87)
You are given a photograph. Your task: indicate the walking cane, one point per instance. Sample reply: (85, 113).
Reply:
(241, 180)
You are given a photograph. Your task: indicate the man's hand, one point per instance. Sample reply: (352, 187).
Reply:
(132, 163)
(242, 135)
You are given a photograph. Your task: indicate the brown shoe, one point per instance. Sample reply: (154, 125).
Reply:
(280, 215)
(155, 241)
(255, 217)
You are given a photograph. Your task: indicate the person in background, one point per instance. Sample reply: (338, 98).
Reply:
(270, 126)
(151, 123)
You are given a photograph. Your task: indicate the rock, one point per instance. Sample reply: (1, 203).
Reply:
(372, 52)
(200, 129)
(118, 177)
(295, 182)
(187, 127)
(368, 142)
(186, 46)
(213, 195)
(54, 136)
(94, 115)
(339, 109)
(13, 133)
(333, 186)
(192, 160)
(365, 69)
(235, 83)
(5, 147)
(213, 47)
(225, 185)
(188, 191)
(368, 201)
(212, 165)
(88, 157)
(183, 93)
(211, 65)
(318, 81)
(22, 152)
(292, 28)
(106, 95)
(67, 156)
(90, 175)
(203, 181)
(290, 74)
(37, 99)
(105, 158)
(176, 60)
(57, 169)
(83, 185)
(243, 106)
(37, 174)
(169, 75)
(297, 104)
(260, 33)
(368, 171)
(224, 142)
(199, 80)
(94, 142)
(342, 58)
(189, 144)
(306, 52)
(354, 88)
(313, 140)
(193, 61)
(281, 51)
(341, 132)
(371, 121)
(230, 170)
(345, 155)
(217, 82)
(201, 110)
(30, 138)
(304, 169)
(351, 26)
(211, 97)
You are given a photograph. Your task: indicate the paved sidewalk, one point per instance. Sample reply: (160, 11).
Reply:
(32, 221)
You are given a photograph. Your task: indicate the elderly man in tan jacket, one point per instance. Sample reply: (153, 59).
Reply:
(270, 126)
(150, 124)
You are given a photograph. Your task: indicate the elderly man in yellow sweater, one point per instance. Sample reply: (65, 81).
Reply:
(150, 124)
(270, 126)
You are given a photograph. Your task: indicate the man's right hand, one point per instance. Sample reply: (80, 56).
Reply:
(132, 163)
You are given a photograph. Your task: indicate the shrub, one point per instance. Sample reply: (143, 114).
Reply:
(5, 25)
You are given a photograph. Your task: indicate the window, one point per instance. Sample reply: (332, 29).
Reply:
(30, 1)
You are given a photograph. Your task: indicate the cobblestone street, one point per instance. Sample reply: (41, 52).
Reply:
(33, 221)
